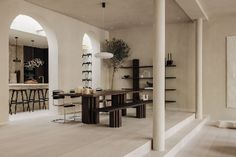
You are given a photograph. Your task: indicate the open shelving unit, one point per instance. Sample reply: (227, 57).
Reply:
(87, 69)
(136, 79)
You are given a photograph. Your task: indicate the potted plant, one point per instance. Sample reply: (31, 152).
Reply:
(120, 50)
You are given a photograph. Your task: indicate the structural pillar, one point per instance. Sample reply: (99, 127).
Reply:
(159, 77)
(199, 32)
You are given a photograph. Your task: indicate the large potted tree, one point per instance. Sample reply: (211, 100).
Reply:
(120, 50)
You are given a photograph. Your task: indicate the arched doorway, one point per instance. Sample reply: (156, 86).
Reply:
(29, 54)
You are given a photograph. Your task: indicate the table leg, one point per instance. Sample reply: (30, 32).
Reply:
(89, 104)
(141, 111)
(115, 116)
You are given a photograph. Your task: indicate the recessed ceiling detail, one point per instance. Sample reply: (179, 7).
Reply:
(119, 13)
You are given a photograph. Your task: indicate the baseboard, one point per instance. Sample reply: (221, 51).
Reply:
(179, 109)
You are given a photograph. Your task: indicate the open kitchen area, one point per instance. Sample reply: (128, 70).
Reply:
(28, 66)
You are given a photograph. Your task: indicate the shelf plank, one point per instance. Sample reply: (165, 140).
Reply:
(167, 101)
(144, 66)
(147, 78)
(170, 89)
(87, 54)
(87, 71)
(86, 80)
(170, 101)
(86, 63)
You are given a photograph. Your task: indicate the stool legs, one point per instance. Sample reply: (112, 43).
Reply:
(16, 101)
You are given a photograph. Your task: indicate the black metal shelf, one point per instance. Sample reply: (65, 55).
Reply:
(86, 79)
(87, 55)
(149, 89)
(145, 66)
(166, 101)
(88, 63)
(87, 71)
(170, 101)
(147, 78)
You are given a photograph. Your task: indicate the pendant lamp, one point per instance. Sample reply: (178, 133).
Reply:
(103, 55)
(17, 60)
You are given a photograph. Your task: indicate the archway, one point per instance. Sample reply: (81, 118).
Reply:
(36, 29)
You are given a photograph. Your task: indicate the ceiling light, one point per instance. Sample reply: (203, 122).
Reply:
(17, 60)
(103, 55)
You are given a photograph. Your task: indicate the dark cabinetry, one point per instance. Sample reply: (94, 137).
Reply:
(41, 73)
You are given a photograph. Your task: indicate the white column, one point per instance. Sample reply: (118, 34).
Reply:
(159, 77)
(199, 42)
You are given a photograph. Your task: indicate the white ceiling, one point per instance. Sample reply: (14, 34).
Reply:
(25, 39)
(215, 8)
(118, 13)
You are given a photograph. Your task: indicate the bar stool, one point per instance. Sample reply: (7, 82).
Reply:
(14, 99)
(45, 97)
(38, 99)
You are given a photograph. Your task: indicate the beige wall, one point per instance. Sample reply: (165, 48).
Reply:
(179, 42)
(214, 67)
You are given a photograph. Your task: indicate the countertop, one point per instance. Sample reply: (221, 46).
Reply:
(22, 85)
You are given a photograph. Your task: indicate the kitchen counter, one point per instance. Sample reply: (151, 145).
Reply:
(27, 86)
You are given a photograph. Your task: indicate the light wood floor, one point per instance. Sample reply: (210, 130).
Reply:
(211, 142)
(34, 135)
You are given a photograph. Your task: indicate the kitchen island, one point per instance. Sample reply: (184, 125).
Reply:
(29, 95)
(27, 86)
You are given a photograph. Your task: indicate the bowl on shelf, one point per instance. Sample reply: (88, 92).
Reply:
(126, 76)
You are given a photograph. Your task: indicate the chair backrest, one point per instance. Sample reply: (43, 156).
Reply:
(56, 96)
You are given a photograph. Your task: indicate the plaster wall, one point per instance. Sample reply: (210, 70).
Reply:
(214, 67)
(180, 42)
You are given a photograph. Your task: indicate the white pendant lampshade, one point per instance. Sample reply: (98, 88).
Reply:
(103, 55)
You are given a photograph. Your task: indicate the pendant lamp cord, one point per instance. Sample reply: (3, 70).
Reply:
(16, 48)
(103, 13)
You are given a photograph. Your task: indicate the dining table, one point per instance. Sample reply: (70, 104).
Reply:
(91, 102)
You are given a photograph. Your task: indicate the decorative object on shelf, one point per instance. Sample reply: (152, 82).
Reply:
(103, 54)
(126, 76)
(136, 77)
(120, 50)
(149, 84)
(144, 97)
(169, 60)
(16, 60)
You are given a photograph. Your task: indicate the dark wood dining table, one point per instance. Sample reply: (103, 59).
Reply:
(90, 103)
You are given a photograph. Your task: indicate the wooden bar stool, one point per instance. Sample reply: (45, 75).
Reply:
(46, 99)
(15, 99)
(36, 96)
